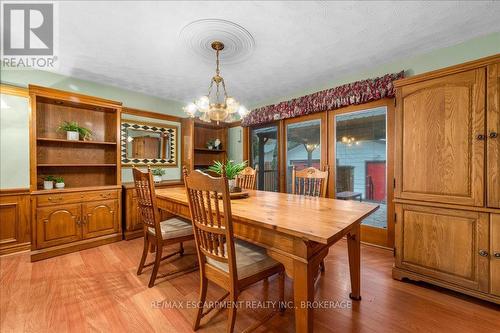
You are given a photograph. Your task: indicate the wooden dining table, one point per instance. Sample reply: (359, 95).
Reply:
(296, 231)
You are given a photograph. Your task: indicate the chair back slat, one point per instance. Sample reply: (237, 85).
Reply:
(210, 208)
(146, 200)
(246, 178)
(309, 182)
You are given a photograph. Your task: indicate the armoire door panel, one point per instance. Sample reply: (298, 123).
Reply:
(495, 254)
(444, 244)
(99, 218)
(441, 156)
(493, 137)
(58, 225)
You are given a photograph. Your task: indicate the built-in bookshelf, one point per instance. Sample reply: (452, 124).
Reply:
(83, 163)
(196, 134)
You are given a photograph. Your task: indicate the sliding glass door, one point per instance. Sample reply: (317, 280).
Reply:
(305, 145)
(359, 145)
(264, 153)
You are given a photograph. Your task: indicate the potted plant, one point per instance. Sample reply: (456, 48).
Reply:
(48, 182)
(211, 144)
(59, 182)
(232, 170)
(74, 131)
(157, 174)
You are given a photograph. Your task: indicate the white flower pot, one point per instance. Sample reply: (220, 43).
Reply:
(59, 185)
(72, 136)
(157, 179)
(48, 185)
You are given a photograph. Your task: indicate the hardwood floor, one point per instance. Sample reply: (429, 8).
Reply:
(98, 290)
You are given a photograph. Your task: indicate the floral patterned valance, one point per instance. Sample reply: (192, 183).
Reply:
(348, 94)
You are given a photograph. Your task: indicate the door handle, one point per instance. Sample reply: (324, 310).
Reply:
(493, 135)
(497, 255)
(480, 137)
(483, 253)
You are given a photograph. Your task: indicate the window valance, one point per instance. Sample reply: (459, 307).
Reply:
(348, 94)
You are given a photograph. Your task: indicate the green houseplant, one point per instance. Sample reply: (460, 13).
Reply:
(157, 174)
(74, 131)
(48, 182)
(59, 182)
(231, 169)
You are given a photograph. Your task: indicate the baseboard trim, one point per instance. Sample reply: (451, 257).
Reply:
(401, 274)
(54, 251)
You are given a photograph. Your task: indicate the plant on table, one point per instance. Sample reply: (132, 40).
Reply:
(231, 170)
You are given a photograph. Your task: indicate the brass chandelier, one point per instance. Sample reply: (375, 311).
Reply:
(212, 107)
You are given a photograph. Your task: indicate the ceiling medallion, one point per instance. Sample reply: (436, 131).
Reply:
(216, 105)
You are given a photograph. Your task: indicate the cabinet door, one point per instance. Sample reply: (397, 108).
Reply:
(495, 254)
(100, 218)
(440, 139)
(444, 244)
(493, 136)
(58, 225)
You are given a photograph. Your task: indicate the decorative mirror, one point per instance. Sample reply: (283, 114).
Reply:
(148, 144)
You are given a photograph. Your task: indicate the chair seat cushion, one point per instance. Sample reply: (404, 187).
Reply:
(250, 260)
(174, 228)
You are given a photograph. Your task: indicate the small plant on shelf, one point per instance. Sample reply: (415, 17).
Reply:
(157, 174)
(59, 182)
(48, 182)
(232, 170)
(75, 131)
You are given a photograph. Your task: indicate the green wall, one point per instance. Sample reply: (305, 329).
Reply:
(14, 127)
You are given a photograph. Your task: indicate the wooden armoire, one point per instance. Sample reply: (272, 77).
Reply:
(447, 178)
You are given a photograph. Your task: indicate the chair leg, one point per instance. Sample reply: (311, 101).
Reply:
(322, 266)
(231, 318)
(159, 250)
(201, 303)
(281, 287)
(181, 249)
(144, 255)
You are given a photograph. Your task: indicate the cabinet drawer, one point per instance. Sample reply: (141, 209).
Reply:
(100, 195)
(59, 198)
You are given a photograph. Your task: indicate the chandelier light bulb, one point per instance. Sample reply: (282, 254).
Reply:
(203, 103)
(190, 109)
(243, 111)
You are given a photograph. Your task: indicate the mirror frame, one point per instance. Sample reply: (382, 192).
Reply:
(148, 127)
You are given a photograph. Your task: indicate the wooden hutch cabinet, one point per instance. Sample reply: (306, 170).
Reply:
(86, 212)
(195, 135)
(447, 179)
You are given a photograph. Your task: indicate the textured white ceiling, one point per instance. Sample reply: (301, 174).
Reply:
(278, 48)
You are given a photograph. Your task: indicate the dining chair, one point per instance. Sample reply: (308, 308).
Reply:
(310, 182)
(246, 178)
(156, 232)
(231, 263)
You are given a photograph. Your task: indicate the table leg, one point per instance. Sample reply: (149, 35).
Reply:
(354, 249)
(303, 295)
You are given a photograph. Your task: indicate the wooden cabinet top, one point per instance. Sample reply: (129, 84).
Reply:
(163, 183)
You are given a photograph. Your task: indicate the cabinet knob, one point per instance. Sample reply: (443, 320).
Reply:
(483, 253)
(480, 137)
(497, 255)
(493, 135)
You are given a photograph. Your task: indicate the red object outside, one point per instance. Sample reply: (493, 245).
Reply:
(376, 182)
